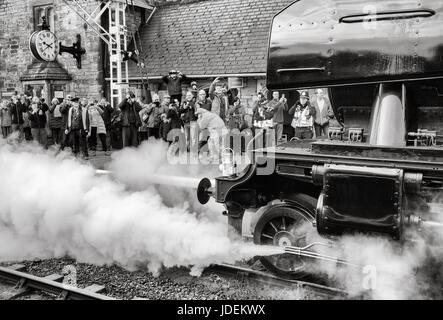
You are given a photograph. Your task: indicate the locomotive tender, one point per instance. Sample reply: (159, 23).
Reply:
(381, 170)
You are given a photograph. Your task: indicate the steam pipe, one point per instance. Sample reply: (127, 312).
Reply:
(310, 254)
(180, 182)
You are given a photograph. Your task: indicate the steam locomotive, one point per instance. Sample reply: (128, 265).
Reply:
(379, 171)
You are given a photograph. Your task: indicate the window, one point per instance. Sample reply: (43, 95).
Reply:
(47, 11)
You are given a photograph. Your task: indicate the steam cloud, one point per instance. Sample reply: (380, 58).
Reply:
(54, 206)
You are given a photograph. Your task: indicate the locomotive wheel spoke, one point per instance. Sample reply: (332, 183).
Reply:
(286, 225)
(274, 227)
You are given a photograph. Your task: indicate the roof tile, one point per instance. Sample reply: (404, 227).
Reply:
(209, 37)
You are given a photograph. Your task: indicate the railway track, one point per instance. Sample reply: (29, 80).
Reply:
(24, 284)
(319, 290)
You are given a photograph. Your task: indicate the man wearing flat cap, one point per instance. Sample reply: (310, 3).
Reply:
(174, 83)
(130, 120)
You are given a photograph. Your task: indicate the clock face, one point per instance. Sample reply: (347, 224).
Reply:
(44, 45)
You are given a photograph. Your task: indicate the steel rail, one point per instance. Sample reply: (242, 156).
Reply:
(49, 286)
(272, 279)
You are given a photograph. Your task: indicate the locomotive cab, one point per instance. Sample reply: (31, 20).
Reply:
(380, 170)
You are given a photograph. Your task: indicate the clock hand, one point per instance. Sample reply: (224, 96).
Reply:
(49, 45)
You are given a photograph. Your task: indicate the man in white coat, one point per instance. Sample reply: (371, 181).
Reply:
(217, 129)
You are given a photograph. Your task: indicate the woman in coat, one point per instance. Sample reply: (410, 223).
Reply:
(96, 127)
(6, 118)
(55, 118)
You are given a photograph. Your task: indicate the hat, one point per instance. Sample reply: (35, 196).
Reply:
(167, 96)
(173, 71)
(193, 83)
(304, 94)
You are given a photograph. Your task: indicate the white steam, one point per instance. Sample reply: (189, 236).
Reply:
(53, 206)
(389, 269)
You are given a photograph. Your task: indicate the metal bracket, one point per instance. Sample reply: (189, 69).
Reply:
(75, 50)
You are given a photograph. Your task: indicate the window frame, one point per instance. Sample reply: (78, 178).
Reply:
(47, 8)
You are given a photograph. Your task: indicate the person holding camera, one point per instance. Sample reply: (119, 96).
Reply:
(151, 116)
(174, 123)
(37, 118)
(219, 99)
(194, 89)
(77, 127)
(96, 127)
(130, 120)
(237, 113)
(188, 117)
(277, 106)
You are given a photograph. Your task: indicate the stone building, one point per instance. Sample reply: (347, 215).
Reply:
(20, 72)
(202, 38)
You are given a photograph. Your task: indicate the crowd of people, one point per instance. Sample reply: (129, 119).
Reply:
(200, 117)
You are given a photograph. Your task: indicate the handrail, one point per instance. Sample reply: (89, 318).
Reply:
(387, 15)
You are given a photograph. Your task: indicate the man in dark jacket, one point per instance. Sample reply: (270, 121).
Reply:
(108, 110)
(174, 82)
(278, 106)
(77, 127)
(187, 113)
(174, 123)
(64, 110)
(17, 110)
(220, 103)
(37, 117)
(130, 120)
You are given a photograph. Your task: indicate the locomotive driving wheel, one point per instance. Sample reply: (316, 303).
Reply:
(285, 225)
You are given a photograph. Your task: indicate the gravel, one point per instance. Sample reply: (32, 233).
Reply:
(171, 284)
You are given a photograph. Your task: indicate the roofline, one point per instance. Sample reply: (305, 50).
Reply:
(229, 75)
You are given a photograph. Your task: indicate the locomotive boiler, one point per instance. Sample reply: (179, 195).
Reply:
(380, 169)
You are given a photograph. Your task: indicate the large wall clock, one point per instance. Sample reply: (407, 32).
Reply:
(43, 45)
